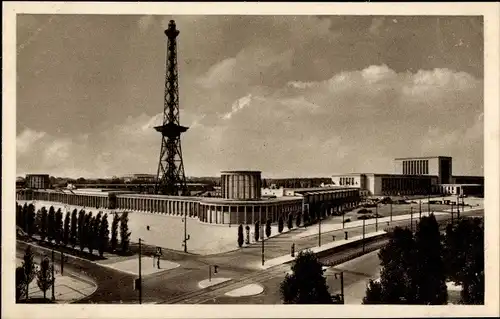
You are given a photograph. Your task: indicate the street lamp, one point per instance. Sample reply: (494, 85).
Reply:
(411, 218)
(186, 236)
(419, 210)
(376, 217)
(262, 239)
(364, 235)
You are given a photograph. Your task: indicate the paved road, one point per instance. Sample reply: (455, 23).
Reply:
(181, 284)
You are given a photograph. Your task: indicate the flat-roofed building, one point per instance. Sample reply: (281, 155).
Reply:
(440, 166)
(38, 181)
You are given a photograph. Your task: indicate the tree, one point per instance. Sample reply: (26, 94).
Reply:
(103, 235)
(30, 220)
(44, 276)
(124, 233)
(289, 223)
(20, 283)
(74, 228)
(44, 220)
(87, 232)
(240, 235)
(429, 273)
(373, 293)
(66, 232)
(51, 224)
(268, 228)
(81, 229)
(397, 259)
(29, 268)
(19, 215)
(247, 229)
(58, 226)
(256, 231)
(306, 284)
(307, 219)
(280, 224)
(298, 220)
(464, 258)
(114, 232)
(94, 240)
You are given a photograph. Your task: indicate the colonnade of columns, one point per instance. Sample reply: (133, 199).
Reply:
(86, 200)
(158, 205)
(213, 213)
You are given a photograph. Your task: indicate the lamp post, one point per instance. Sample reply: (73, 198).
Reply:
(186, 236)
(420, 210)
(376, 217)
(364, 235)
(53, 278)
(452, 213)
(262, 239)
(458, 206)
(391, 211)
(140, 274)
(411, 218)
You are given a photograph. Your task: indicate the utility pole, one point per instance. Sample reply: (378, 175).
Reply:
(391, 211)
(429, 203)
(319, 237)
(262, 234)
(186, 236)
(53, 277)
(364, 235)
(411, 218)
(342, 286)
(420, 211)
(452, 213)
(62, 262)
(343, 220)
(140, 273)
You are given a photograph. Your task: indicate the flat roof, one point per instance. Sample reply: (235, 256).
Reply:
(386, 175)
(218, 200)
(420, 157)
(241, 172)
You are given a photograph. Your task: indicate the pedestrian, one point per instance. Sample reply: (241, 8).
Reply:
(158, 262)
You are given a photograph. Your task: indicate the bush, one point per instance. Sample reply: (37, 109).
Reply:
(363, 211)
(298, 220)
(247, 229)
(114, 232)
(124, 233)
(257, 231)
(268, 228)
(347, 220)
(240, 235)
(290, 221)
(280, 224)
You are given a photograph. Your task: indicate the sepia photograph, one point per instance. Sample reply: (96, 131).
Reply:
(294, 158)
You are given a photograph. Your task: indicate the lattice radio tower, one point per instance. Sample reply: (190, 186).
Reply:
(170, 176)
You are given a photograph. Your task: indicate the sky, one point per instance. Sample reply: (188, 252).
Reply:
(291, 96)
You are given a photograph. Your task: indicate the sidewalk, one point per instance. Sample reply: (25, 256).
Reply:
(288, 258)
(328, 227)
(68, 288)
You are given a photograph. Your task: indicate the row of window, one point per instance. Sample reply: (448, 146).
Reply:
(416, 167)
(346, 181)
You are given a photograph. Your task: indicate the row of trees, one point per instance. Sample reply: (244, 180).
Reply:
(415, 267)
(78, 228)
(289, 224)
(28, 271)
